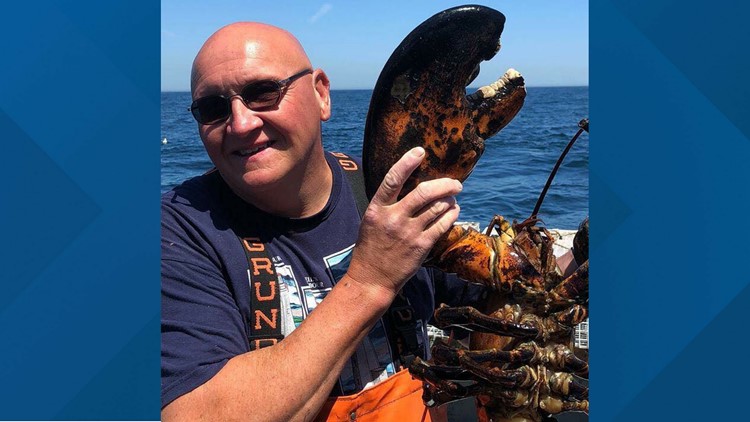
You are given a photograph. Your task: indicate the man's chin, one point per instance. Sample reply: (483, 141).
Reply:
(261, 180)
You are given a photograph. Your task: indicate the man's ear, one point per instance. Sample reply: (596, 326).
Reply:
(323, 92)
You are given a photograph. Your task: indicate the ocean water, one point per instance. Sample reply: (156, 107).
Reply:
(507, 180)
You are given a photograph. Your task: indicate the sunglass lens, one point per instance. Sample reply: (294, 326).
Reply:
(210, 109)
(261, 94)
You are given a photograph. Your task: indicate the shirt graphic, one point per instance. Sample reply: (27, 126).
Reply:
(373, 360)
(297, 301)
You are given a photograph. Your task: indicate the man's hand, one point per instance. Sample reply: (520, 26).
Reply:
(396, 235)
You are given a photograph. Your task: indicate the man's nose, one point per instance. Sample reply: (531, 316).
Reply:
(242, 119)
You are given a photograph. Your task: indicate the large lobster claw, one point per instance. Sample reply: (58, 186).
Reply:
(420, 98)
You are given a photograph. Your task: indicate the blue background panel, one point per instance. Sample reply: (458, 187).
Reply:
(79, 299)
(669, 154)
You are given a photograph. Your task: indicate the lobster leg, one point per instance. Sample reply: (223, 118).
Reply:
(556, 356)
(447, 383)
(563, 359)
(557, 327)
(572, 290)
(555, 405)
(566, 385)
(512, 379)
(572, 316)
(443, 383)
(526, 376)
(503, 226)
(469, 318)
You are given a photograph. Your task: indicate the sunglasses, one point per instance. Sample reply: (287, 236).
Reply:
(256, 96)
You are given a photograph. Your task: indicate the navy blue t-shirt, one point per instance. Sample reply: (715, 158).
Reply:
(206, 291)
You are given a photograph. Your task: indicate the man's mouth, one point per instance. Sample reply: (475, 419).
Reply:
(252, 151)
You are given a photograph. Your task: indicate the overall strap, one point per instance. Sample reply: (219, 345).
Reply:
(265, 299)
(401, 317)
(264, 321)
(400, 314)
(356, 178)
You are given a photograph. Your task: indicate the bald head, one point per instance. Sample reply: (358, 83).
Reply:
(249, 44)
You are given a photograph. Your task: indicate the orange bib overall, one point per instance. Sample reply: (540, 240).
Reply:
(399, 398)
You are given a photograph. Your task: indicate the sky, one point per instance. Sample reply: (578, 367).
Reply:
(545, 40)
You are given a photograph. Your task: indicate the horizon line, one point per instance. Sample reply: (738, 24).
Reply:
(468, 88)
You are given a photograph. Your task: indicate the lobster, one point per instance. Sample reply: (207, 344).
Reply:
(521, 356)
(520, 364)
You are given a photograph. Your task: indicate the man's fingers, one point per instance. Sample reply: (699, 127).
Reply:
(394, 180)
(434, 210)
(443, 223)
(428, 192)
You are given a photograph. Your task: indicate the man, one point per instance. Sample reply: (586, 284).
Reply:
(259, 105)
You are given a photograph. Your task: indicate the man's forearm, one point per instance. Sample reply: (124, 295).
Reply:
(292, 379)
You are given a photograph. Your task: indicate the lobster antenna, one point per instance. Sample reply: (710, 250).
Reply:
(583, 125)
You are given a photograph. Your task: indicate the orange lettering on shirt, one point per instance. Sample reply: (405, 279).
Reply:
(348, 165)
(270, 296)
(253, 244)
(270, 321)
(261, 264)
(259, 343)
(345, 162)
